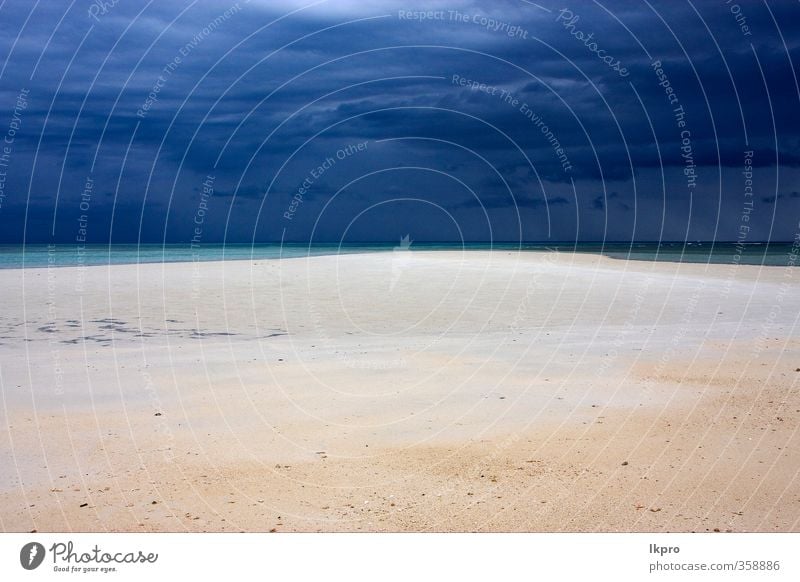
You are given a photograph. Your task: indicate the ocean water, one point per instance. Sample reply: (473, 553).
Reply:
(66, 255)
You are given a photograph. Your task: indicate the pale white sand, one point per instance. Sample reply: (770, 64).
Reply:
(401, 391)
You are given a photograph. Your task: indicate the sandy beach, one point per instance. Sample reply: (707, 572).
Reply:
(401, 391)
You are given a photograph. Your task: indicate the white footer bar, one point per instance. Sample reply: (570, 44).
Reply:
(406, 557)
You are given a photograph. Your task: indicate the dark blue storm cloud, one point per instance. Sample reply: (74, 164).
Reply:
(265, 121)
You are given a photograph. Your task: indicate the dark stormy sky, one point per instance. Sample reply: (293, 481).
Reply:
(237, 122)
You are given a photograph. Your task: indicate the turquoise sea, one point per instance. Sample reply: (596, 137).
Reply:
(66, 255)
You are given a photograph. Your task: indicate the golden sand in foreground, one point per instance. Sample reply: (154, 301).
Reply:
(426, 391)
